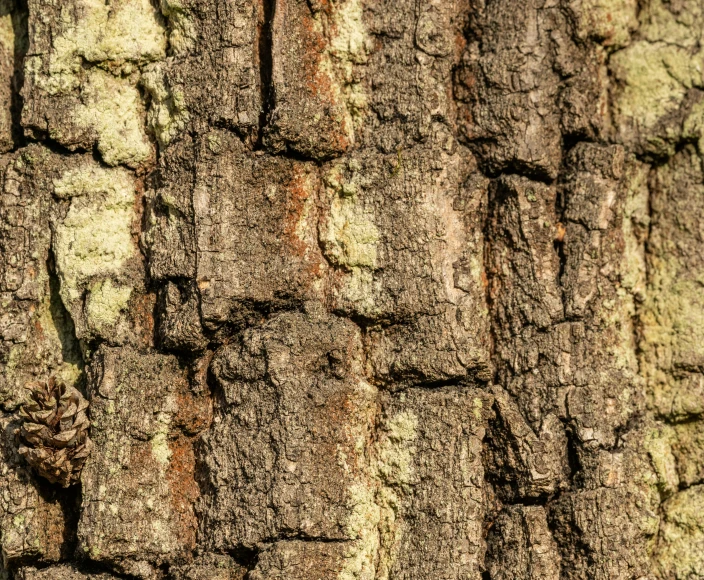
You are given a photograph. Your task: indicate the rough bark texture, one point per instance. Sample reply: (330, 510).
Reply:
(356, 289)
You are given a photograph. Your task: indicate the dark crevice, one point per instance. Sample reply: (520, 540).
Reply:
(91, 567)
(266, 66)
(245, 557)
(542, 501)
(247, 313)
(559, 246)
(572, 454)
(570, 141)
(300, 537)
(495, 170)
(70, 500)
(402, 384)
(43, 138)
(489, 203)
(61, 318)
(165, 569)
(498, 473)
(20, 16)
(293, 155)
(680, 420)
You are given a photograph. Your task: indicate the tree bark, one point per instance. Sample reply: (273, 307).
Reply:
(356, 289)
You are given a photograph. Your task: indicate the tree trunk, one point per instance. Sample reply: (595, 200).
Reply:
(355, 289)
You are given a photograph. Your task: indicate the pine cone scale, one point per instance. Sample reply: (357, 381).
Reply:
(64, 439)
(54, 436)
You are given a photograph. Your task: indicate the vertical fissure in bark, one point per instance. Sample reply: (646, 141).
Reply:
(61, 318)
(266, 64)
(20, 14)
(488, 277)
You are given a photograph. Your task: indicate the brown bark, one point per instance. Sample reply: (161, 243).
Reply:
(356, 289)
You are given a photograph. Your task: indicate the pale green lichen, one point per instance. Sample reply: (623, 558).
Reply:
(160, 448)
(167, 114)
(655, 73)
(7, 30)
(350, 238)
(395, 471)
(609, 21)
(360, 289)
(680, 550)
(91, 179)
(364, 511)
(105, 303)
(658, 444)
(689, 438)
(161, 452)
(478, 405)
(94, 239)
(215, 144)
(395, 458)
(636, 220)
(349, 38)
(349, 44)
(182, 34)
(373, 525)
(673, 319)
(131, 31)
(117, 37)
(682, 25)
(394, 468)
(114, 110)
(651, 88)
(673, 335)
(18, 521)
(362, 529)
(391, 530)
(672, 315)
(128, 31)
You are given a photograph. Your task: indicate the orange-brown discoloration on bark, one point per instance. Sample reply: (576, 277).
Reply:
(142, 312)
(301, 188)
(318, 81)
(199, 376)
(194, 414)
(298, 189)
(184, 489)
(560, 232)
(39, 330)
(310, 116)
(56, 532)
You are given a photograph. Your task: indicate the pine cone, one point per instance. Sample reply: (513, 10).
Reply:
(54, 436)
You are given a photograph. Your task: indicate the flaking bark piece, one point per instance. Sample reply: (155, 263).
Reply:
(54, 436)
